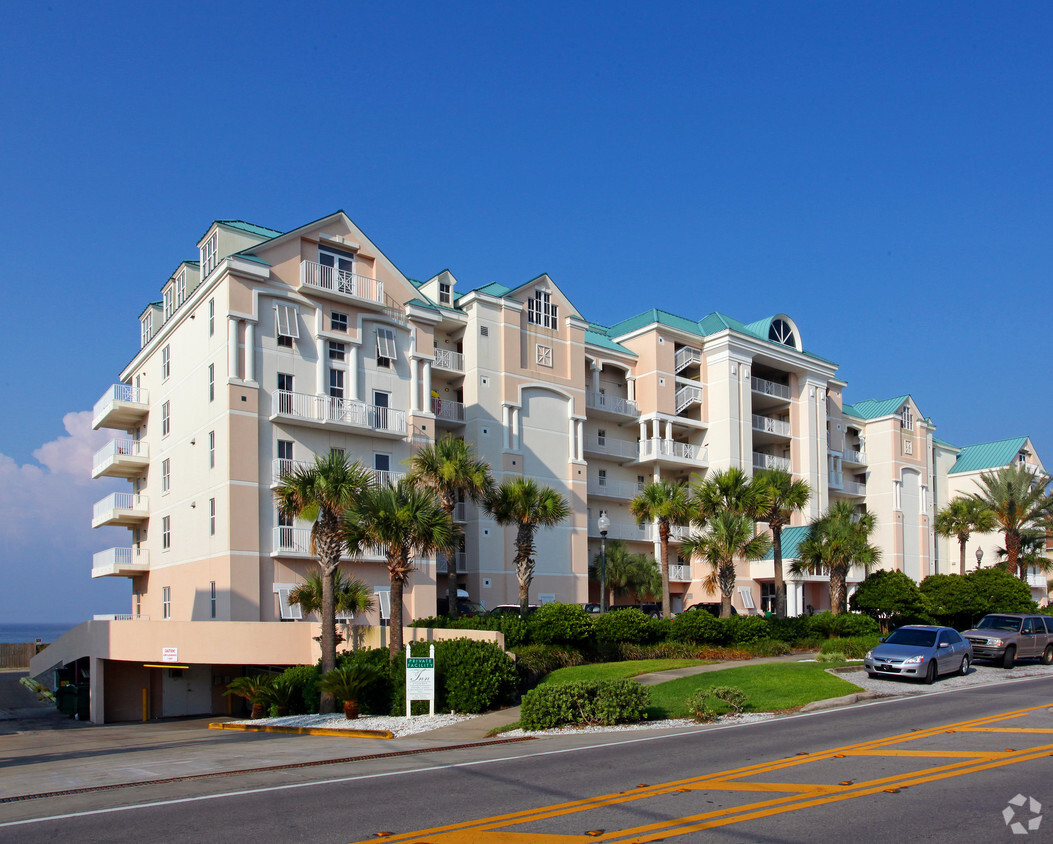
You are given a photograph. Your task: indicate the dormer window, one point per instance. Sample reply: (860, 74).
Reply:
(906, 418)
(145, 330)
(1022, 456)
(541, 311)
(169, 302)
(445, 293)
(781, 332)
(180, 288)
(209, 255)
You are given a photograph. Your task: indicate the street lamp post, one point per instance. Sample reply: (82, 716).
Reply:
(979, 557)
(604, 524)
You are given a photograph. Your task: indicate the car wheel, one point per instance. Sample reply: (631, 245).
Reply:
(1047, 655)
(964, 669)
(930, 675)
(1009, 659)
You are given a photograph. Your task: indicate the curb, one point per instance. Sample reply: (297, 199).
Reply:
(834, 702)
(303, 731)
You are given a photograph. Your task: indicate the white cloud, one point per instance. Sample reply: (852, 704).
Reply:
(46, 538)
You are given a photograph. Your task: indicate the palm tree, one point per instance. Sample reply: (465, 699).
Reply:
(405, 520)
(320, 493)
(1032, 554)
(730, 489)
(779, 496)
(1018, 499)
(666, 503)
(627, 571)
(729, 536)
(835, 542)
(959, 518)
(350, 595)
(527, 505)
(451, 468)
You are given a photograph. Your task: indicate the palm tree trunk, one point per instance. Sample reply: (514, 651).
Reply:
(451, 563)
(663, 539)
(837, 592)
(961, 554)
(1012, 551)
(780, 583)
(726, 581)
(327, 702)
(524, 565)
(395, 623)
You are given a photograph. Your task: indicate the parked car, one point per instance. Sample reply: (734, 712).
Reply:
(592, 609)
(1009, 636)
(510, 609)
(712, 608)
(920, 652)
(653, 610)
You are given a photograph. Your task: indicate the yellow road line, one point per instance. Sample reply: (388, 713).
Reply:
(1004, 730)
(950, 754)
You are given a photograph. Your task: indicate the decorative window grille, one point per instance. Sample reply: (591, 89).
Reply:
(541, 311)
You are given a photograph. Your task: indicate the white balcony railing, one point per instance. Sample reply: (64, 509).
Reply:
(771, 426)
(611, 404)
(121, 559)
(679, 573)
(119, 616)
(332, 280)
(614, 489)
(630, 531)
(460, 512)
(770, 461)
(609, 445)
(115, 450)
(686, 396)
(650, 449)
(837, 480)
(339, 411)
(451, 411)
(853, 456)
(1037, 580)
(769, 388)
(292, 540)
(855, 488)
(120, 393)
(120, 501)
(384, 476)
(685, 357)
(442, 566)
(448, 360)
(281, 466)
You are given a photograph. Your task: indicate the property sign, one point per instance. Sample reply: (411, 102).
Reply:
(420, 680)
(169, 654)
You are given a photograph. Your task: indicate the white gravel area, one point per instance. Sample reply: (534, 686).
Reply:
(400, 726)
(978, 675)
(745, 718)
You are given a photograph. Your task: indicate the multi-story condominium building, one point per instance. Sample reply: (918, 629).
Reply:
(272, 348)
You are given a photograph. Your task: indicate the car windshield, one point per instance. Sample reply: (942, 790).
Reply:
(917, 638)
(999, 622)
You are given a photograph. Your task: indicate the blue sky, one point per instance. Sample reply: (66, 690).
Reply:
(845, 163)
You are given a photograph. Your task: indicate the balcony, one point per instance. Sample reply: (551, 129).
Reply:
(330, 412)
(442, 567)
(120, 459)
(671, 451)
(446, 410)
(1037, 580)
(448, 361)
(859, 458)
(686, 396)
(281, 466)
(769, 388)
(767, 425)
(770, 461)
(686, 357)
(460, 512)
(854, 488)
(348, 287)
(628, 531)
(121, 509)
(611, 405)
(679, 573)
(119, 616)
(383, 477)
(611, 447)
(122, 406)
(605, 488)
(120, 562)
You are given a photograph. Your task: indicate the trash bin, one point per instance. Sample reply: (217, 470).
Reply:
(66, 699)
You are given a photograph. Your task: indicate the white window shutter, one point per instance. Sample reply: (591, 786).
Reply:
(384, 602)
(747, 598)
(286, 322)
(386, 344)
(288, 611)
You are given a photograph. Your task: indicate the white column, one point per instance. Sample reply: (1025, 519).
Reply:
(506, 425)
(427, 385)
(414, 388)
(250, 351)
(232, 347)
(668, 430)
(572, 430)
(630, 387)
(97, 700)
(321, 388)
(595, 377)
(352, 374)
(581, 439)
(515, 429)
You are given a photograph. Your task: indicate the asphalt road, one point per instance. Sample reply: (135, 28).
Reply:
(943, 767)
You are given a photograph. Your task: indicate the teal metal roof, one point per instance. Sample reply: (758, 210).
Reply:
(494, 289)
(975, 458)
(873, 408)
(792, 537)
(251, 228)
(944, 443)
(248, 256)
(596, 335)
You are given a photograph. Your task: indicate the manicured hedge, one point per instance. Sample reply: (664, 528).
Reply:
(607, 702)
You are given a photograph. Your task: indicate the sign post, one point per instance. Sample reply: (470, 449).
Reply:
(420, 680)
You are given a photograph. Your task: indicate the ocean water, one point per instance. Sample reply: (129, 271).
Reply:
(31, 632)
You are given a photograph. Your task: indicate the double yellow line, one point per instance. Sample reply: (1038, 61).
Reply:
(800, 796)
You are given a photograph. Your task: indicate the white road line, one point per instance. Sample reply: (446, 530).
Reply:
(677, 734)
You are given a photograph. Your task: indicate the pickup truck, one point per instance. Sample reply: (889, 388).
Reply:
(1009, 636)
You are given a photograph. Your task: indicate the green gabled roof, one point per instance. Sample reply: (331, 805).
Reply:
(596, 335)
(248, 256)
(975, 458)
(494, 289)
(792, 537)
(944, 443)
(874, 409)
(654, 315)
(251, 228)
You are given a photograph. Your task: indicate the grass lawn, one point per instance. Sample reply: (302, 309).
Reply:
(768, 687)
(618, 670)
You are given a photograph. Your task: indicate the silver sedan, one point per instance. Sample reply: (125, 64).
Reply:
(921, 653)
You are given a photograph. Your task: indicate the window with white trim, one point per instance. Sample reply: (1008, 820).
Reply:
(337, 351)
(544, 355)
(287, 611)
(338, 322)
(166, 602)
(212, 517)
(541, 311)
(445, 293)
(166, 533)
(906, 418)
(166, 476)
(286, 323)
(211, 449)
(169, 302)
(166, 419)
(209, 255)
(386, 344)
(211, 382)
(180, 288)
(285, 449)
(211, 317)
(146, 329)
(166, 363)
(336, 383)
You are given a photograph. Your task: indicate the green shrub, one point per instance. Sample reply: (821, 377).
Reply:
(698, 627)
(303, 679)
(707, 704)
(769, 647)
(515, 629)
(376, 697)
(560, 624)
(790, 630)
(476, 676)
(827, 625)
(632, 626)
(535, 661)
(608, 702)
(850, 647)
(830, 656)
(745, 629)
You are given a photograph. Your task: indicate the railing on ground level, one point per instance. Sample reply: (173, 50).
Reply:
(769, 388)
(448, 360)
(770, 461)
(611, 404)
(120, 501)
(121, 392)
(770, 426)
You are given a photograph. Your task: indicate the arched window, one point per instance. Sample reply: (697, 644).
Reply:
(781, 332)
